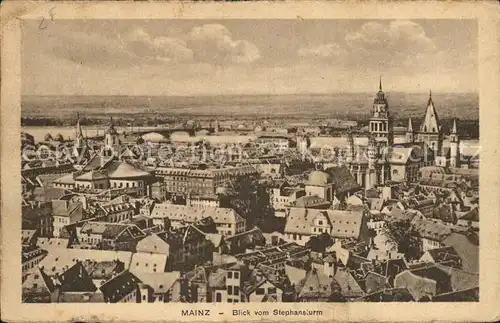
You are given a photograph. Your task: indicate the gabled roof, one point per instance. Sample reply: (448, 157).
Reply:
(191, 214)
(472, 215)
(317, 285)
(159, 282)
(65, 179)
(446, 256)
(119, 286)
(349, 286)
(466, 249)
(75, 279)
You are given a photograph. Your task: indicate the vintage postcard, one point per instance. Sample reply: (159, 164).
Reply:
(294, 161)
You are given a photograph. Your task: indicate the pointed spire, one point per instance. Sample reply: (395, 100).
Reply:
(380, 83)
(410, 125)
(454, 127)
(79, 133)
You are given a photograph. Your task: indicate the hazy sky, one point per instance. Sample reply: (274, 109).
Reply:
(195, 57)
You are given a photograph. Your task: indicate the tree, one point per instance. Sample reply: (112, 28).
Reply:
(48, 137)
(405, 237)
(59, 138)
(250, 199)
(320, 242)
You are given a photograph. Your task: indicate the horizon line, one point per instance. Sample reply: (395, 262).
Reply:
(253, 94)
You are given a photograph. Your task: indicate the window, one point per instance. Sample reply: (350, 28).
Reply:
(229, 300)
(236, 290)
(143, 297)
(218, 297)
(260, 291)
(320, 222)
(230, 274)
(35, 285)
(271, 290)
(236, 275)
(230, 290)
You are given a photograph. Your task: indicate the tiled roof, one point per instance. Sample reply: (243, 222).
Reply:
(349, 286)
(59, 259)
(317, 285)
(191, 214)
(466, 249)
(119, 286)
(310, 201)
(446, 256)
(159, 282)
(345, 224)
(472, 215)
(148, 262)
(66, 179)
(418, 286)
(117, 170)
(91, 176)
(434, 230)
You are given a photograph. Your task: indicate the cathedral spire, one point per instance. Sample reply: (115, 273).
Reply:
(380, 83)
(79, 132)
(410, 125)
(431, 122)
(454, 127)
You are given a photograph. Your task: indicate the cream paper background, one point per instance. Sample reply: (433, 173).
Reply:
(487, 15)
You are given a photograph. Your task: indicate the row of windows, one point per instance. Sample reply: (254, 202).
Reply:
(262, 291)
(378, 127)
(230, 274)
(231, 290)
(31, 265)
(120, 185)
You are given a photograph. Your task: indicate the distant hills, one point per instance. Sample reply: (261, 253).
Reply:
(339, 105)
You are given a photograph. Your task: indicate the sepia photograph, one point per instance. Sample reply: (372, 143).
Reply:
(217, 161)
(250, 161)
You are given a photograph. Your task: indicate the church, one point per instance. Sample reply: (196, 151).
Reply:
(382, 161)
(105, 170)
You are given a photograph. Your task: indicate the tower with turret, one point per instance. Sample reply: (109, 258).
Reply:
(111, 140)
(454, 146)
(430, 130)
(381, 122)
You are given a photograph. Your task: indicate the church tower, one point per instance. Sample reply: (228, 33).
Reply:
(430, 130)
(80, 142)
(111, 140)
(410, 133)
(454, 146)
(372, 154)
(350, 150)
(381, 121)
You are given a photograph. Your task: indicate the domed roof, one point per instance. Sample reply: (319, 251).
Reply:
(153, 137)
(319, 178)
